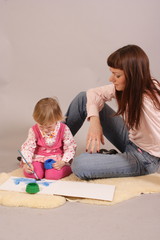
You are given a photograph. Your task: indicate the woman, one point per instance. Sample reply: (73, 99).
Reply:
(134, 129)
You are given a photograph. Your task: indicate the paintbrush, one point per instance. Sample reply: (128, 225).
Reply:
(28, 165)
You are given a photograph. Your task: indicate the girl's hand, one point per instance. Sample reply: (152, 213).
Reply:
(28, 169)
(95, 135)
(58, 165)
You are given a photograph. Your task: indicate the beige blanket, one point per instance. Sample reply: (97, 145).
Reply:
(126, 188)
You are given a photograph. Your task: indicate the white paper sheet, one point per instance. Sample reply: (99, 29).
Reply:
(64, 188)
(84, 190)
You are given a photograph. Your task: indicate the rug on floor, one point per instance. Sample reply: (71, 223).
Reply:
(126, 188)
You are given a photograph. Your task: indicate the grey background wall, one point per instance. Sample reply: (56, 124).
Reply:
(59, 48)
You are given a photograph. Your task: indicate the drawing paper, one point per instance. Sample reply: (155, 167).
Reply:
(65, 188)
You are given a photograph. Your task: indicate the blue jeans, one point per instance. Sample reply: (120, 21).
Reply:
(130, 161)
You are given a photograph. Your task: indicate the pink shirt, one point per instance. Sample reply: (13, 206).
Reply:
(147, 136)
(69, 145)
(47, 150)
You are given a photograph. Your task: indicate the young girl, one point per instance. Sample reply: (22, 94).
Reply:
(50, 147)
(136, 133)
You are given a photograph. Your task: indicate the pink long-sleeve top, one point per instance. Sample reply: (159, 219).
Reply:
(147, 137)
(69, 145)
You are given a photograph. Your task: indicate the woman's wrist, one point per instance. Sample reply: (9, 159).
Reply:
(94, 119)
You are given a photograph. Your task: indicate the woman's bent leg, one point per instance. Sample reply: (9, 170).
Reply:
(93, 166)
(114, 128)
(130, 163)
(76, 113)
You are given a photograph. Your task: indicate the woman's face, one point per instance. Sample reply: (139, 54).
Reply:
(117, 78)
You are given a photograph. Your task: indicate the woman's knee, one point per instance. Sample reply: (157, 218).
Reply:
(81, 99)
(79, 165)
(81, 95)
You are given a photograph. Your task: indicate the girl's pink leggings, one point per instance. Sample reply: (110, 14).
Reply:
(52, 173)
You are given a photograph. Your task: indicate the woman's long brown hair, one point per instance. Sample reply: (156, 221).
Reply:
(135, 64)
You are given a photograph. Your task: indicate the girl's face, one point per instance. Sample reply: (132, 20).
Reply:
(47, 128)
(117, 78)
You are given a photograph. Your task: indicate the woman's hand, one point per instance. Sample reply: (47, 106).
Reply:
(95, 135)
(27, 168)
(58, 165)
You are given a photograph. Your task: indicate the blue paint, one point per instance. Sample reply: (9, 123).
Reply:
(46, 183)
(26, 180)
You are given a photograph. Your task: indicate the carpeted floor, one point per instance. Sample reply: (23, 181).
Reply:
(126, 188)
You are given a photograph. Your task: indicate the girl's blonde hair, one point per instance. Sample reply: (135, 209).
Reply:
(47, 110)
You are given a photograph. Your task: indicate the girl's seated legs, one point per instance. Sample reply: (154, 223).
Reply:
(48, 173)
(54, 174)
(38, 168)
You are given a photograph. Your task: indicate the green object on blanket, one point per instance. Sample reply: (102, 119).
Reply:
(32, 188)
